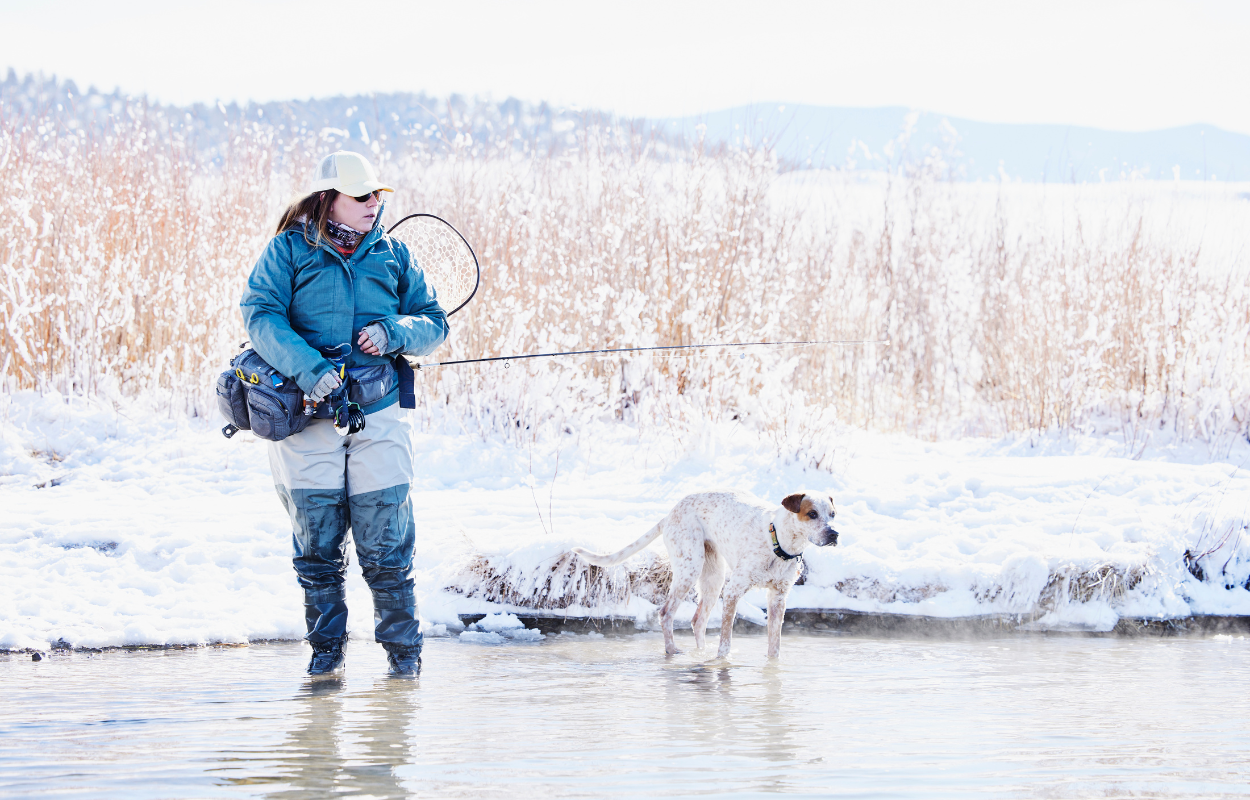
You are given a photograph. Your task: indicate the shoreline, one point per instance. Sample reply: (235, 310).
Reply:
(825, 621)
(810, 621)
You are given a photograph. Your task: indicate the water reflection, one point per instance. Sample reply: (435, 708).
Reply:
(390, 713)
(348, 743)
(612, 718)
(742, 712)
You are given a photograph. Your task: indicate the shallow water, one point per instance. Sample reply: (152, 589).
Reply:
(585, 716)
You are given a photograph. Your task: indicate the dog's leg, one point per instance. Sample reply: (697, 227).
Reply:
(776, 615)
(683, 582)
(733, 593)
(710, 583)
(683, 538)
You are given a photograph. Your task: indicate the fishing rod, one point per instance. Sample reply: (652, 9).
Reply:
(646, 349)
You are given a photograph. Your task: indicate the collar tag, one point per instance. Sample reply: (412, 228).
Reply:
(781, 553)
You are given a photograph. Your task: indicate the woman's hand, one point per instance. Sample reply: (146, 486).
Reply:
(328, 383)
(372, 340)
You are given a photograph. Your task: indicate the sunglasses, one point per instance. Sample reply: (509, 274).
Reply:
(364, 198)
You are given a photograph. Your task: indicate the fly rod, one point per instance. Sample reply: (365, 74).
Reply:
(646, 349)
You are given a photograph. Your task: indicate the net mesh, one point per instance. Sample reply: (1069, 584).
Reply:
(448, 262)
(329, 168)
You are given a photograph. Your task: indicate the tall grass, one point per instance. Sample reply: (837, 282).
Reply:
(123, 256)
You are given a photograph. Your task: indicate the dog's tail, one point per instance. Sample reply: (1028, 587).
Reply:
(612, 559)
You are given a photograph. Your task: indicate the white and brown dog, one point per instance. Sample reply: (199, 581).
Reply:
(734, 541)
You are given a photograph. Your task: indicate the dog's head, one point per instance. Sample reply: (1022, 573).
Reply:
(814, 515)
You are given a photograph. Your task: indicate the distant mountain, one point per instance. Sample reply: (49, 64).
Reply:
(354, 123)
(802, 136)
(817, 136)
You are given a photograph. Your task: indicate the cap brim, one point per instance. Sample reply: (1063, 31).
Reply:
(364, 187)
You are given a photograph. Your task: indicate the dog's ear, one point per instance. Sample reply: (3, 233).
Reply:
(793, 502)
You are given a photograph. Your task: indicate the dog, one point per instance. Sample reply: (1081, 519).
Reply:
(732, 541)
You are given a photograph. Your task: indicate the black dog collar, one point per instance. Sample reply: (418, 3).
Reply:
(777, 545)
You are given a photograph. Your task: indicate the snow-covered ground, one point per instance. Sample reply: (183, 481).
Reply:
(122, 525)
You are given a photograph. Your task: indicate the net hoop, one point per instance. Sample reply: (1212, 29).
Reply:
(434, 249)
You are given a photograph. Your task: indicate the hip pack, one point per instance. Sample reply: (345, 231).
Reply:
(255, 397)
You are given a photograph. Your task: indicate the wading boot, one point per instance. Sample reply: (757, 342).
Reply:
(405, 660)
(327, 658)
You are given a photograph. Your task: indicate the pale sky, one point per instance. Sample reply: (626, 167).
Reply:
(1121, 65)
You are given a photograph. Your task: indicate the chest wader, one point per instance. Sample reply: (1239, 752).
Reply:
(331, 479)
(355, 474)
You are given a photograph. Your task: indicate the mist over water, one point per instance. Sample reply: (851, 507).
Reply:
(584, 716)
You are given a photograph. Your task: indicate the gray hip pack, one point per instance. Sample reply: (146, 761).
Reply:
(255, 397)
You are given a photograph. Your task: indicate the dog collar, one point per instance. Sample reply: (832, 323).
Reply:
(772, 531)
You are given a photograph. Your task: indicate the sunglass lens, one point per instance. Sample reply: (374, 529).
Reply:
(364, 198)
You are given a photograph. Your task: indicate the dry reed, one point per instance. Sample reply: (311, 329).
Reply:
(1107, 583)
(873, 589)
(123, 253)
(566, 581)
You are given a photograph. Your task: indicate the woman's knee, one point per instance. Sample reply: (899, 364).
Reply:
(383, 527)
(319, 521)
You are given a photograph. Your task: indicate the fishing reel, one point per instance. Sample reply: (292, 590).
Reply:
(348, 416)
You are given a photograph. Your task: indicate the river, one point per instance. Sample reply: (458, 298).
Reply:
(588, 716)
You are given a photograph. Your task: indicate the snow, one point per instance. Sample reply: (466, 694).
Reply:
(127, 525)
(499, 628)
(494, 623)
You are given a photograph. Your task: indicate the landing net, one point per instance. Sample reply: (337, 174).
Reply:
(449, 262)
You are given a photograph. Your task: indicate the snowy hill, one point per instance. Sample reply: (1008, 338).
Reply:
(355, 122)
(836, 137)
(803, 136)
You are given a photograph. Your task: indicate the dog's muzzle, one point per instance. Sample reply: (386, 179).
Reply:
(829, 538)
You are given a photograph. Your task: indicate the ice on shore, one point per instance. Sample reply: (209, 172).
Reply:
(127, 527)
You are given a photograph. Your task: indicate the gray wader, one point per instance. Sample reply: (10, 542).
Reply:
(329, 483)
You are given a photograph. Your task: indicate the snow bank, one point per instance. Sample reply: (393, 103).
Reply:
(127, 527)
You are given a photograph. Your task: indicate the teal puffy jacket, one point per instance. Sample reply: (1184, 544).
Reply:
(301, 299)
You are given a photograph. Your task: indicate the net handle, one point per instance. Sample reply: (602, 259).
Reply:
(478, 267)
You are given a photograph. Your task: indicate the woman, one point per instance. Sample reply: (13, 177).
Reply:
(332, 284)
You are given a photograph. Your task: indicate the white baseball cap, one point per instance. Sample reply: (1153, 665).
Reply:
(349, 173)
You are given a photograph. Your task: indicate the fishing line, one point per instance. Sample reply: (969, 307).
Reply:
(608, 351)
(452, 268)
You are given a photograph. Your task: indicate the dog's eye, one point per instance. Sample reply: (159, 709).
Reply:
(812, 515)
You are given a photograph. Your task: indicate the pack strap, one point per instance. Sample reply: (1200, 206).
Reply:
(407, 383)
